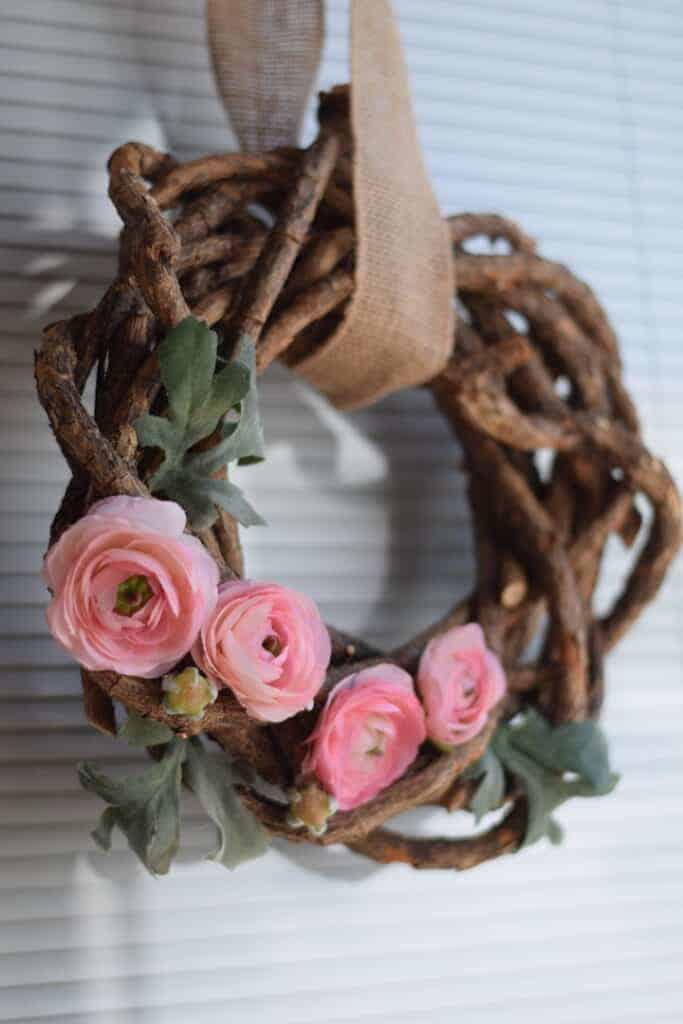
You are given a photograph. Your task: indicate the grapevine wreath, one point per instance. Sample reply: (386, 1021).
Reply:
(491, 709)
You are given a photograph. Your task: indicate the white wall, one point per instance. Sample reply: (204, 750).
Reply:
(568, 117)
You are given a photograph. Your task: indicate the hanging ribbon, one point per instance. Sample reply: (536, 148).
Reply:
(265, 56)
(398, 328)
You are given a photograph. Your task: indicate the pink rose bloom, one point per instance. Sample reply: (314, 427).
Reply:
(368, 733)
(459, 681)
(130, 589)
(268, 644)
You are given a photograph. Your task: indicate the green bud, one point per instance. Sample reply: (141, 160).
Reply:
(189, 693)
(310, 807)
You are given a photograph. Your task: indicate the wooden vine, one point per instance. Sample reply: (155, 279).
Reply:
(194, 241)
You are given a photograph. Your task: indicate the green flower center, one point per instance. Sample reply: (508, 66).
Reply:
(132, 595)
(272, 645)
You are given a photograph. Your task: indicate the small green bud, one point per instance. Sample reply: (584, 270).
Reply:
(310, 807)
(189, 693)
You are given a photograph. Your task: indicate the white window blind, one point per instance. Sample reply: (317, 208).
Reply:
(567, 117)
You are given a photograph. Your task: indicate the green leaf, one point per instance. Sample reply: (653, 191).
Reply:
(578, 747)
(104, 828)
(242, 441)
(553, 765)
(229, 388)
(144, 732)
(490, 792)
(230, 497)
(249, 444)
(241, 836)
(555, 832)
(198, 401)
(156, 432)
(213, 459)
(544, 790)
(145, 807)
(199, 496)
(187, 358)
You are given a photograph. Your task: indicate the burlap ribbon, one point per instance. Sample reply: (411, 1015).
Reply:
(398, 328)
(265, 56)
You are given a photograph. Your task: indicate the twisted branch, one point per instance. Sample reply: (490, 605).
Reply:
(283, 272)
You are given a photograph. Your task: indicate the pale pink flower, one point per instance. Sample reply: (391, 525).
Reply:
(130, 589)
(459, 681)
(266, 643)
(368, 733)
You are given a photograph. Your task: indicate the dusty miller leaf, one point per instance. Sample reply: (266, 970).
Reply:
(553, 765)
(555, 832)
(145, 807)
(578, 747)
(187, 359)
(104, 828)
(249, 445)
(241, 836)
(156, 432)
(198, 400)
(144, 732)
(242, 441)
(489, 794)
(199, 496)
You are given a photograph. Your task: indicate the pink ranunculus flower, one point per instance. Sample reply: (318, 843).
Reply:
(459, 681)
(368, 733)
(130, 589)
(266, 643)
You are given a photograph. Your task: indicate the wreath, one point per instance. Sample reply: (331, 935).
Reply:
(284, 727)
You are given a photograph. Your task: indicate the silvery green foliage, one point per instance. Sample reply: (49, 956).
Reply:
(552, 764)
(491, 790)
(146, 807)
(240, 835)
(198, 400)
(139, 731)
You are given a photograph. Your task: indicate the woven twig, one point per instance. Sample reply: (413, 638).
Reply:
(539, 542)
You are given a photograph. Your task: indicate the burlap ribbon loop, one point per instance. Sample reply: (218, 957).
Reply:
(398, 328)
(265, 56)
